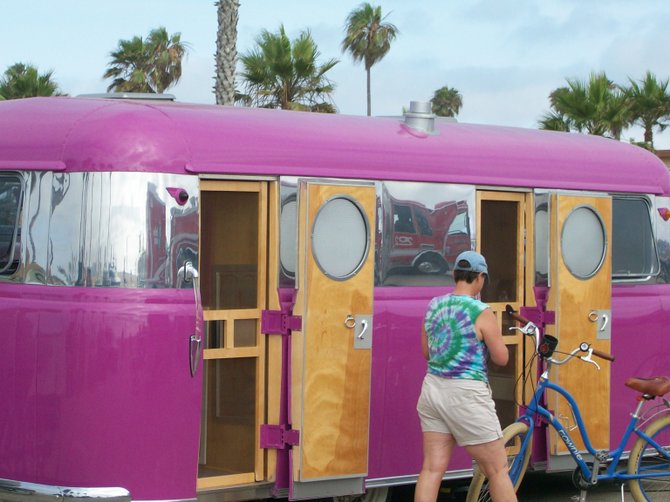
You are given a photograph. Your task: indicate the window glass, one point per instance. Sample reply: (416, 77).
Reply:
(11, 191)
(633, 249)
(421, 229)
(583, 242)
(340, 240)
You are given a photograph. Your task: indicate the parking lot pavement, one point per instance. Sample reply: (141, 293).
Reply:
(536, 487)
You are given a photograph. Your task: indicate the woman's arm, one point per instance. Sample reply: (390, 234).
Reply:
(487, 325)
(424, 342)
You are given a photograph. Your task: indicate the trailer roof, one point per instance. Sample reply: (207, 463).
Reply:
(90, 134)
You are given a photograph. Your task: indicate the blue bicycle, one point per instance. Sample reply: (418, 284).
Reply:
(647, 473)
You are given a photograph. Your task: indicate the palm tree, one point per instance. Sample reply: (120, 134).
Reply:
(153, 65)
(280, 73)
(24, 81)
(596, 106)
(650, 104)
(446, 102)
(368, 38)
(226, 51)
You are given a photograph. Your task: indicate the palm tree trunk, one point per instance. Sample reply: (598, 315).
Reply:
(369, 95)
(649, 135)
(226, 51)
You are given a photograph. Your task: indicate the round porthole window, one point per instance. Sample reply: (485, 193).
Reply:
(583, 242)
(340, 242)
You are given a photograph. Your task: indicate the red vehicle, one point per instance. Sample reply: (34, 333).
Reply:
(424, 240)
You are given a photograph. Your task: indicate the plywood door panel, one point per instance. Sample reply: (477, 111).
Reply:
(573, 299)
(331, 378)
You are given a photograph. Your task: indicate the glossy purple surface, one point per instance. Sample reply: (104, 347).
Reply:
(100, 135)
(100, 389)
(398, 368)
(98, 381)
(640, 320)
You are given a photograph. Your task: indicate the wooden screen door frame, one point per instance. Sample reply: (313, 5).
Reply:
(580, 304)
(229, 316)
(330, 369)
(522, 293)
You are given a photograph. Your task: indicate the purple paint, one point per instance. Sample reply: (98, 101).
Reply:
(108, 398)
(98, 379)
(101, 135)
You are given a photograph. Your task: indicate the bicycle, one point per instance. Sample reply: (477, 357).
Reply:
(648, 469)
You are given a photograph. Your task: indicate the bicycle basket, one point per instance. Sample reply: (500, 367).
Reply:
(548, 345)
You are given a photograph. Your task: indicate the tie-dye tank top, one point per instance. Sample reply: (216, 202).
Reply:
(453, 348)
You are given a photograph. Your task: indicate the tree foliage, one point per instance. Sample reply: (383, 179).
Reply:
(152, 65)
(280, 73)
(446, 102)
(599, 106)
(649, 104)
(226, 51)
(24, 81)
(368, 39)
(596, 106)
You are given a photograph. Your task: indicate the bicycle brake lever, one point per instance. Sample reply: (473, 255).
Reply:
(587, 358)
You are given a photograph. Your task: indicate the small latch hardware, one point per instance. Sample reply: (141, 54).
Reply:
(277, 322)
(278, 437)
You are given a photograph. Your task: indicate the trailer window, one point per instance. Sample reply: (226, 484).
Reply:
(11, 190)
(421, 229)
(633, 250)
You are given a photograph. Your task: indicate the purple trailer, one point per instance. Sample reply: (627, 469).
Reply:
(199, 302)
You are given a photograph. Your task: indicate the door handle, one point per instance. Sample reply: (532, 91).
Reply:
(189, 273)
(364, 323)
(195, 343)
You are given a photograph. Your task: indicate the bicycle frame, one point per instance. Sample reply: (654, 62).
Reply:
(536, 413)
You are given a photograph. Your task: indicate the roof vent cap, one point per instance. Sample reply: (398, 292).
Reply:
(420, 117)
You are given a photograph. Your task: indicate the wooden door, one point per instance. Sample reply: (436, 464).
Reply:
(331, 356)
(580, 294)
(502, 226)
(233, 274)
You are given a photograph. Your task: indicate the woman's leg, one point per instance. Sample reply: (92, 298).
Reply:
(492, 459)
(437, 448)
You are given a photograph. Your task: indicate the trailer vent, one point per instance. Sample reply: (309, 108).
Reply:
(420, 117)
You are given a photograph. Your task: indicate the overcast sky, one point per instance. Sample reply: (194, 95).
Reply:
(504, 56)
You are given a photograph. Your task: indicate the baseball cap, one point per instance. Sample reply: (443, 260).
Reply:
(471, 261)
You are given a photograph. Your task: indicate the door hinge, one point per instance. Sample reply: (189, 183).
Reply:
(278, 437)
(278, 322)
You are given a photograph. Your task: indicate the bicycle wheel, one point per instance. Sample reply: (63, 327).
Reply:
(517, 460)
(646, 459)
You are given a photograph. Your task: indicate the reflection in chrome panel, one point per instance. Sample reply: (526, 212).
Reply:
(662, 224)
(108, 229)
(421, 229)
(288, 231)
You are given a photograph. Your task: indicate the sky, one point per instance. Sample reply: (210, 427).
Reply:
(503, 56)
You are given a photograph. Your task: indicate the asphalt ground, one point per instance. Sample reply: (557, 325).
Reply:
(536, 487)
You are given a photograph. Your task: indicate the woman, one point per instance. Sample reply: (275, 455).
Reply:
(455, 406)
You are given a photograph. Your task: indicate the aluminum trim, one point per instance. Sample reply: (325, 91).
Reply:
(11, 491)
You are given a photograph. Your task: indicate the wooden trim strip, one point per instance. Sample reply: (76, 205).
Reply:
(228, 480)
(231, 315)
(230, 353)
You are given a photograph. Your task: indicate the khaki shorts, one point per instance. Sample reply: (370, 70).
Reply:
(462, 408)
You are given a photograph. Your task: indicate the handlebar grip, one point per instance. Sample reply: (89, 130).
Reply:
(515, 315)
(602, 355)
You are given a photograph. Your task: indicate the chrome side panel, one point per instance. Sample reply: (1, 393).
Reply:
(17, 491)
(108, 229)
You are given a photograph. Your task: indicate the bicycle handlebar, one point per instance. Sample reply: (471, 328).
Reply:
(515, 315)
(602, 355)
(531, 329)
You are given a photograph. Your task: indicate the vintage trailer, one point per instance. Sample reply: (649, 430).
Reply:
(203, 302)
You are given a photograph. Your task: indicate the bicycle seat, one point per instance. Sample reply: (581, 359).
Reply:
(654, 386)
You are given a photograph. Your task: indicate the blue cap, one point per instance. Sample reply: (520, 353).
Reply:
(473, 262)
